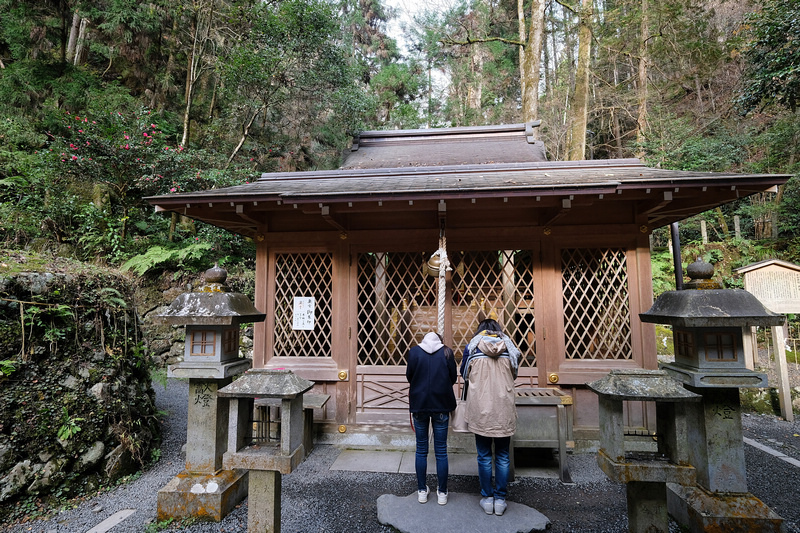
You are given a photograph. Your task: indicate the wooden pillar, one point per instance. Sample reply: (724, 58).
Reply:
(784, 391)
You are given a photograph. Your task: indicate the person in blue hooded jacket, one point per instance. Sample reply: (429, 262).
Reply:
(431, 373)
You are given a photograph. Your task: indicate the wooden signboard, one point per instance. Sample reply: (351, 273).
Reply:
(776, 284)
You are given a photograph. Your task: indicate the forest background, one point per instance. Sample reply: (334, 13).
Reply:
(104, 102)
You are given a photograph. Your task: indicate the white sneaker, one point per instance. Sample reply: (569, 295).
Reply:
(500, 507)
(442, 497)
(422, 495)
(487, 504)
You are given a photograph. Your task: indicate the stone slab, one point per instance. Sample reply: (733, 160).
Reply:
(111, 521)
(462, 514)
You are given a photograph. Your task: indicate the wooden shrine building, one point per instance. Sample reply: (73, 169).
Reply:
(558, 251)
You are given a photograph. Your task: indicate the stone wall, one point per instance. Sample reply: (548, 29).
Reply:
(77, 408)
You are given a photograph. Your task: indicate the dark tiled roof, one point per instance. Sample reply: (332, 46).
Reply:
(483, 145)
(510, 179)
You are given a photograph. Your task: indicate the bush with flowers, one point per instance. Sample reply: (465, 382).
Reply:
(88, 180)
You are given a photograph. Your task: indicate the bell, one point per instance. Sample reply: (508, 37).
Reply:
(432, 266)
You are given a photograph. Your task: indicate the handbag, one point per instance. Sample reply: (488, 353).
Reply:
(458, 418)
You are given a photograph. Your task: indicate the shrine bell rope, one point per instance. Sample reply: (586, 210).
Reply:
(444, 267)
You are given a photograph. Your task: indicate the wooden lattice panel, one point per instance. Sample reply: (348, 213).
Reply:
(395, 299)
(303, 275)
(496, 284)
(597, 322)
(398, 301)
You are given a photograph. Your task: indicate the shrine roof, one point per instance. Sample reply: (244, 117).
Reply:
(392, 169)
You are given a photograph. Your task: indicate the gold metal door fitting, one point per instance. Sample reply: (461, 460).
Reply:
(552, 377)
(342, 375)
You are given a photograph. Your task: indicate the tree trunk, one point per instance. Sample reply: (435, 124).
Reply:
(531, 67)
(580, 99)
(475, 88)
(522, 39)
(641, 93)
(80, 46)
(73, 35)
(245, 133)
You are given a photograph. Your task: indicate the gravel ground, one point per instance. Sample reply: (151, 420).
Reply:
(316, 499)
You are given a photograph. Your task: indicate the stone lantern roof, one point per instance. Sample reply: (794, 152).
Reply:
(211, 305)
(638, 384)
(706, 305)
(267, 383)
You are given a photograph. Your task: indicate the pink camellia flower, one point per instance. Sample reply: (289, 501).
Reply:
(127, 147)
(80, 131)
(145, 134)
(74, 157)
(172, 189)
(127, 137)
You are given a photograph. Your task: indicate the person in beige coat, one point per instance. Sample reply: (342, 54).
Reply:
(489, 367)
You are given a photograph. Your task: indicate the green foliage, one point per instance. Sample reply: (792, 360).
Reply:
(773, 56)
(7, 367)
(69, 425)
(663, 272)
(159, 256)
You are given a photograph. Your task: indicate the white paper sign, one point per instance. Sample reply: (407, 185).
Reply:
(303, 317)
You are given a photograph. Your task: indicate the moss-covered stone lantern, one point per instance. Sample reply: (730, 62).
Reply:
(707, 323)
(212, 316)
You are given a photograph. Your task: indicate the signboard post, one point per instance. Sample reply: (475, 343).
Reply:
(777, 285)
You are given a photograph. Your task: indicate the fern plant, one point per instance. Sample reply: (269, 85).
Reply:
(159, 256)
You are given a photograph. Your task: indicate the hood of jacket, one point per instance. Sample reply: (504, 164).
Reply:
(492, 347)
(431, 343)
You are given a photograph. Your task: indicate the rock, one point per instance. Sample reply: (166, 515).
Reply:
(5, 453)
(100, 391)
(91, 457)
(35, 282)
(70, 382)
(18, 478)
(118, 462)
(47, 474)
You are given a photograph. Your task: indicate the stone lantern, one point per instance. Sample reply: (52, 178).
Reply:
(707, 324)
(266, 460)
(212, 316)
(645, 474)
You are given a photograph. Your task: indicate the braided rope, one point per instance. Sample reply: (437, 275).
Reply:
(444, 266)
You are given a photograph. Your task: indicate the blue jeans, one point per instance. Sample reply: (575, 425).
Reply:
(439, 421)
(502, 464)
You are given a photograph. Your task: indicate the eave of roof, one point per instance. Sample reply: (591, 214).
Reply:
(474, 181)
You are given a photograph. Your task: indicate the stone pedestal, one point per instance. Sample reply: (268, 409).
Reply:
(203, 496)
(204, 489)
(647, 509)
(716, 447)
(702, 511)
(264, 502)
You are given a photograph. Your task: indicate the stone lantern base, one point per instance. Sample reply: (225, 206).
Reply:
(700, 511)
(203, 496)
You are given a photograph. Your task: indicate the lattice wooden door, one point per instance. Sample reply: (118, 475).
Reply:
(597, 318)
(306, 275)
(397, 307)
